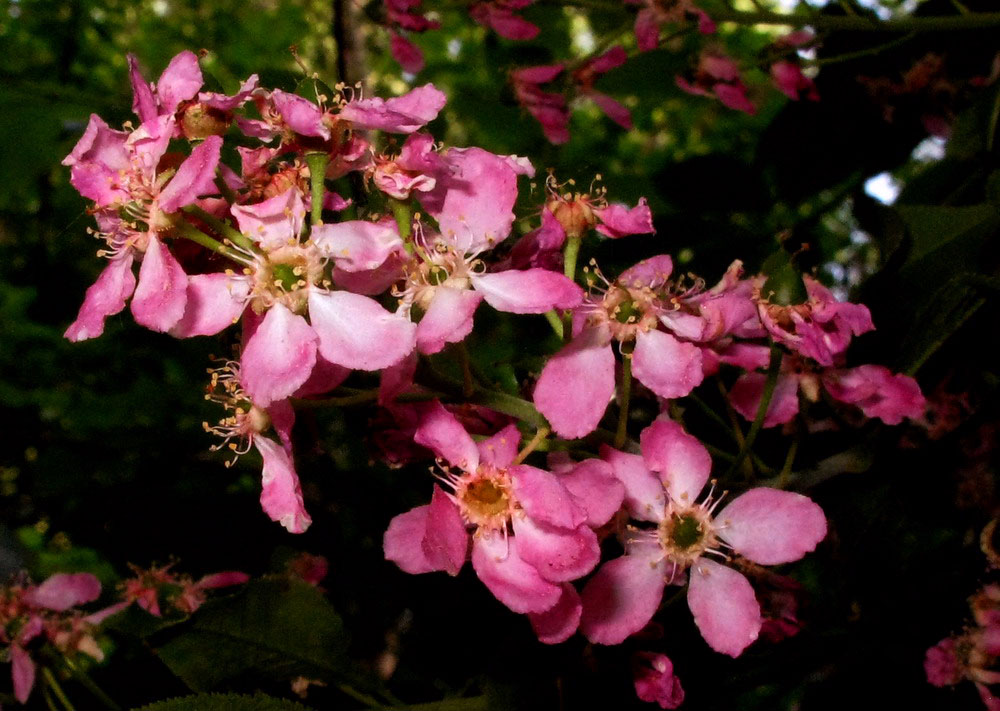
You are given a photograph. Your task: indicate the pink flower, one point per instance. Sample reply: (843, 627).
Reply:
(820, 328)
(766, 526)
(499, 16)
(790, 80)
(719, 76)
(530, 529)
(120, 172)
(653, 14)
(655, 681)
(577, 383)
(586, 75)
(548, 108)
(578, 212)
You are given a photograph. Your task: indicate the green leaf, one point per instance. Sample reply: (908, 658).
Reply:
(275, 628)
(225, 702)
(937, 227)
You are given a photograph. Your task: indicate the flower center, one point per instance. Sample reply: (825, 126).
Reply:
(283, 275)
(628, 312)
(685, 535)
(485, 497)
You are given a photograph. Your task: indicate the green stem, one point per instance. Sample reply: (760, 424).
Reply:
(622, 430)
(848, 56)
(47, 695)
(495, 400)
(468, 384)
(557, 325)
(404, 220)
(773, 369)
(317, 183)
(189, 231)
(972, 21)
(540, 435)
(786, 468)
(84, 678)
(223, 186)
(712, 415)
(369, 701)
(50, 679)
(221, 226)
(570, 254)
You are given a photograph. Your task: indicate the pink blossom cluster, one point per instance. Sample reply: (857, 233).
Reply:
(316, 289)
(35, 615)
(157, 587)
(972, 655)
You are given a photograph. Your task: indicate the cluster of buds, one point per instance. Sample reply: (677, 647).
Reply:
(159, 587)
(318, 289)
(974, 654)
(34, 618)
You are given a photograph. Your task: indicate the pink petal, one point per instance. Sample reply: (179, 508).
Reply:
(325, 376)
(357, 245)
(403, 541)
(734, 96)
(542, 74)
(98, 617)
(559, 623)
(772, 527)
(623, 596)
(23, 673)
(681, 460)
(532, 291)
(445, 542)
(511, 26)
(104, 298)
(63, 591)
(668, 367)
(645, 498)
(514, 582)
(406, 54)
(161, 295)
(302, 116)
(214, 302)
(222, 580)
(613, 109)
(500, 449)
(749, 389)
(441, 432)
(397, 379)
(651, 273)
(448, 318)
(275, 222)
(576, 385)
(558, 554)
(544, 498)
(356, 332)
(143, 101)
(473, 203)
(595, 488)
(618, 220)
(282, 416)
(613, 58)
(404, 114)
(102, 145)
(647, 30)
(281, 494)
(877, 391)
(179, 82)
(724, 607)
(195, 176)
(278, 357)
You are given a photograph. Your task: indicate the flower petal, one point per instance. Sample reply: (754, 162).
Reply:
(681, 460)
(595, 488)
(512, 581)
(558, 554)
(278, 357)
(576, 385)
(623, 596)
(544, 498)
(63, 591)
(645, 497)
(668, 367)
(770, 526)
(532, 291)
(500, 449)
(214, 302)
(23, 673)
(445, 542)
(281, 494)
(724, 607)
(161, 295)
(357, 245)
(403, 541)
(104, 298)
(559, 623)
(448, 318)
(441, 432)
(194, 177)
(356, 332)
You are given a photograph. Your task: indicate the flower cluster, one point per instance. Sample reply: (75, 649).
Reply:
(318, 287)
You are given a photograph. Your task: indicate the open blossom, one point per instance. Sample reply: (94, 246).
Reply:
(765, 526)
(876, 390)
(648, 316)
(135, 201)
(821, 328)
(149, 587)
(244, 426)
(47, 611)
(655, 13)
(530, 530)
